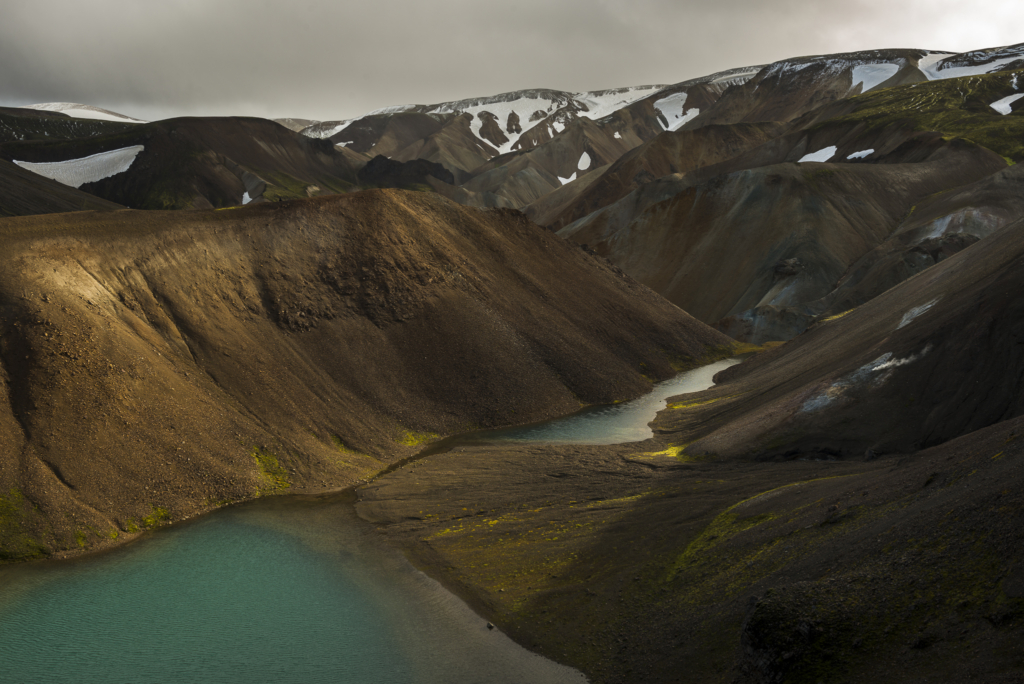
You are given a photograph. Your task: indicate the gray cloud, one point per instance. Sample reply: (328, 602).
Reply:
(328, 60)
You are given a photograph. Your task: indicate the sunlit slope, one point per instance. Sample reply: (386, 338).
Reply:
(163, 363)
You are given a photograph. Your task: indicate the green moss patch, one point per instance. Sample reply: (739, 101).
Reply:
(274, 475)
(159, 516)
(411, 438)
(16, 540)
(956, 108)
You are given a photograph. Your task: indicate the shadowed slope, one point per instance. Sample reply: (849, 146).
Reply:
(929, 360)
(204, 162)
(23, 193)
(719, 245)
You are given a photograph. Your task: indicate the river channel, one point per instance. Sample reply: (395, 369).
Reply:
(283, 589)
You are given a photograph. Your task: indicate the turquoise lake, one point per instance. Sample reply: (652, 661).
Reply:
(284, 589)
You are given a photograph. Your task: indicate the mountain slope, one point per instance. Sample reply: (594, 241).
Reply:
(195, 163)
(929, 360)
(157, 364)
(23, 193)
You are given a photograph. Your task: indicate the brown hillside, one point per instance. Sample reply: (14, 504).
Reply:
(157, 364)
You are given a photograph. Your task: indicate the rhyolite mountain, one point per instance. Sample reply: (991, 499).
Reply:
(844, 506)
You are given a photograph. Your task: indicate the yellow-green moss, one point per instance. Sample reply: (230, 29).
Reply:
(15, 539)
(697, 402)
(958, 108)
(157, 517)
(274, 475)
(836, 316)
(411, 438)
(726, 526)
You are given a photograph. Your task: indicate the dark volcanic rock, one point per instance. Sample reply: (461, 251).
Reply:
(388, 173)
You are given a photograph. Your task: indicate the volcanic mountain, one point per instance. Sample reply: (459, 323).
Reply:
(155, 362)
(844, 505)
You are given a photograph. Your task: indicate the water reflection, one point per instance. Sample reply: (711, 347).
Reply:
(611, 424)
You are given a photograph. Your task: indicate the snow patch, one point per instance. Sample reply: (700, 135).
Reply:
(690, 114)
(245, 197)
(871, 75)
(915, 312)
(877, 373)
(821, 155)
(80, 111)
(78, 172)
(525, 104)
(584, 163)
(337, 129)
(394, 109)
(737, 76)
(601, 103)
(934, 72)
(861, 154)
(927, 63)
(570, 179)
(617, 136)
(523, 107)
(1003, 106)
(672, 108)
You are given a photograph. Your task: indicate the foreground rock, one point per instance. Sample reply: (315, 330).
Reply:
(158, 364)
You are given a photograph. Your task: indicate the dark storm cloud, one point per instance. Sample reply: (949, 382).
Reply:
(328, 60)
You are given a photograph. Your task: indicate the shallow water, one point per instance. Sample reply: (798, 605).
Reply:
(282, 590)
(610, 424)
(287, 589)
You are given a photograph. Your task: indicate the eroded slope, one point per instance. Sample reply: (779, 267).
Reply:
(158, 364)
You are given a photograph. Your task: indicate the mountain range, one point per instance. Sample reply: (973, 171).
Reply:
(200, 310)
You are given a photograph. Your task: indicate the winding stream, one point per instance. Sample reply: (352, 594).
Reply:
(284, 589)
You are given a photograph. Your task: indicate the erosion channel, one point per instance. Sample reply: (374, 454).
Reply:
(288, 589)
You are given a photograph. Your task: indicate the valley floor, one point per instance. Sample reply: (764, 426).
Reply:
(635, 567)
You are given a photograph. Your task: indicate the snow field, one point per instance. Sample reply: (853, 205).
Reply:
(523, 107)
(934, 73)
(570, 179)
(80, 111)
(871, 75)
(604, 102)
(821, 155)
(584, 162)
(78, 172)
(915, 312)
(861, 154)
(672, 108)
(1003, 106)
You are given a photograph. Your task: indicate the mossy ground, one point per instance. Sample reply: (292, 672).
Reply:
(412, 438)
(273, 474)
(18, 519)
(956, 107)
(281, 186)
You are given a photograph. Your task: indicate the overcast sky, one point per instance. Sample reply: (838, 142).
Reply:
(332, 60)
